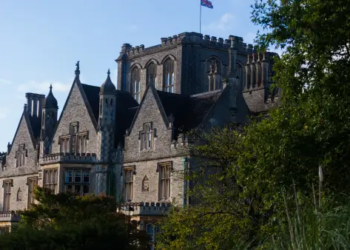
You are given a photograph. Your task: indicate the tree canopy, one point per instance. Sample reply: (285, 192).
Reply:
(302, 144)
(67, 222)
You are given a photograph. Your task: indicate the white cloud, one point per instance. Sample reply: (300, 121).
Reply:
(223, 24)
(3, 113)
(43, 87)
(5, 82)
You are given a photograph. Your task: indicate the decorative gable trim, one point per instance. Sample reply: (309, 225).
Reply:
(151, 88)
(24, 117)
(78, 83)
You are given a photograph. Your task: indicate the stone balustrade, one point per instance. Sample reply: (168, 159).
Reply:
(144, 208)
(68, 158)
(9, 216)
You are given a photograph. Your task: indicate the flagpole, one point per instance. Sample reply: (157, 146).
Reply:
(200, 16)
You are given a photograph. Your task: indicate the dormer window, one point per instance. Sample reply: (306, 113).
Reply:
(135, 84)
(169, 76)
(147, 136)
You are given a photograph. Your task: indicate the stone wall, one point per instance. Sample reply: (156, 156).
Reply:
(19, 183)
(148, 169)
(150, 112)
(23, 136)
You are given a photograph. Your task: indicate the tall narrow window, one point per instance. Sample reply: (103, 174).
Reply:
(146, 137)
(7, 195)
(152, 74)
(128, 184)
(164, 184)
(64, 144)
(50, 180)
(77, 181)
(21, 154)
(135, 83)
(32, 184)
(169, 76)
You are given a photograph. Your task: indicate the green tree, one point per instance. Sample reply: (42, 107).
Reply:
(281, 156)
(68, 222)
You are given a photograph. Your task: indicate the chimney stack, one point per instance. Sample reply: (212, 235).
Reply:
(34, 104)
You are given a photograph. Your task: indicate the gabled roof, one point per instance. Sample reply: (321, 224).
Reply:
(188, 111)
(33, 125)
(126, 107)
(93, 98)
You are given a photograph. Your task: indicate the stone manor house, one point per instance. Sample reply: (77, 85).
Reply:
(129, 139)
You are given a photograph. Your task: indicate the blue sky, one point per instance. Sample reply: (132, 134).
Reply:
(41, 40)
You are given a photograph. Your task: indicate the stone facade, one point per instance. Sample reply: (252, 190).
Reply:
(130, 141)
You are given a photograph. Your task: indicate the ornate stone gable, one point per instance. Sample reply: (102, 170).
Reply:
(76, 111)
(22, 158)
(150, 132)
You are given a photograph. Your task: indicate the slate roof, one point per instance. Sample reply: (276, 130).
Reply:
(93, 97)
(188, 111)
(125, 110)
(35, 123)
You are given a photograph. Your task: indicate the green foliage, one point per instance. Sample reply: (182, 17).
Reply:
(253, 173)
(313, 227)
(65, 221)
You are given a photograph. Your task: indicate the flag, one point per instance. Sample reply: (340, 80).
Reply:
(207, 3)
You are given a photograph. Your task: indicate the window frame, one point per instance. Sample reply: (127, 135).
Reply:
(164, 169)
(136, 83)
(146, 137)
(7, 185)
(77, 187)
(32, 183)
(50, 180)
(169, 76)
(152, 74)
(128, 184)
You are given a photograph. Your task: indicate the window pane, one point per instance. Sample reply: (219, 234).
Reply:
(69, 176)
(77, 176)
(86, 176)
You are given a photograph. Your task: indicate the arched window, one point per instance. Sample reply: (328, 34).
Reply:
(135, 84)
(169, 76)
(214, 73)
(152, 74)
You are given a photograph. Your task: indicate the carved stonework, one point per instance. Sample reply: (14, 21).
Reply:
(145, 184)
(19, 195)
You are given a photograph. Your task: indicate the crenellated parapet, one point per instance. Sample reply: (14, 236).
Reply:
(258, 80)
(182, 39)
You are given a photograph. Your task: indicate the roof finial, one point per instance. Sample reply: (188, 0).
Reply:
(108, 72)
(77, 70)
(50, 87)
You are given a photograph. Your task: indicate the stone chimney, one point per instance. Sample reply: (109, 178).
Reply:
(34, 104)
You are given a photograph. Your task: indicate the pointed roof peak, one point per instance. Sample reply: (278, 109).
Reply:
(108, 86)
(50, 101)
